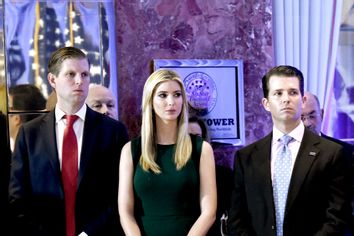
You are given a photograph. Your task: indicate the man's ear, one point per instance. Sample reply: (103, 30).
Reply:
(265, 104)
(16, 119)
(51, 79)
(304, 99)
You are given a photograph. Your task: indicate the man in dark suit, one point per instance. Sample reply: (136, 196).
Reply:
(102, 100)
(312, 116)
(25, 98)
(5, 159)
(312, 197)
(40, 190)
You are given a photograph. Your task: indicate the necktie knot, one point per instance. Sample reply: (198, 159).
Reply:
(70, 119)
(285, 140)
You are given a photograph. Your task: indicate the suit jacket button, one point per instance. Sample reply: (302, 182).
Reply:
(273, 228)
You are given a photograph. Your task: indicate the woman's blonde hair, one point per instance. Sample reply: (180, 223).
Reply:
(183, 148)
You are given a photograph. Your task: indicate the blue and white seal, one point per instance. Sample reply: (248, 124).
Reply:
(201, 92)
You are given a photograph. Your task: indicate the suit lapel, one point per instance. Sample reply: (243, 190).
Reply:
(50, 142)
(308, 152)
(88, 142)
(262, 167)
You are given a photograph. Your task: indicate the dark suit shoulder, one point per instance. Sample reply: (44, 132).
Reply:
(50, 116)
(257, 145)
(96, 116)
(320, 141)
(345, 145)
(31, 127)
(108, 124)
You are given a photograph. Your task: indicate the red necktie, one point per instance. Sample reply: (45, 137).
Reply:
(69, 173)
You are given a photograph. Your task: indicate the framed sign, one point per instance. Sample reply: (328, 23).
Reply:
(215, 93)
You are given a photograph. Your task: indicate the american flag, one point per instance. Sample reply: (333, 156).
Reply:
(69, 24)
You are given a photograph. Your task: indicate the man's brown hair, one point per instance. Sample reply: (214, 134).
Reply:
(62, 54)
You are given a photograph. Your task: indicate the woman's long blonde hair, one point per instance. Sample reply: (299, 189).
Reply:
(148, 128)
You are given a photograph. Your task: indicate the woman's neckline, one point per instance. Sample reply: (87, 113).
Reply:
(165, 144)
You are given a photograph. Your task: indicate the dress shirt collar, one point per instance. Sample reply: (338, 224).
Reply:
(296, 133)
(60, 113)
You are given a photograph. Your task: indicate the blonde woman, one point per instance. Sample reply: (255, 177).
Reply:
(167, 177)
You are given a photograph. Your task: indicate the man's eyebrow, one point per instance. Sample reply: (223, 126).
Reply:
(103, 99)
(311, 112)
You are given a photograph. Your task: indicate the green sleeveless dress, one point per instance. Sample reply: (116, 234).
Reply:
(167, 203)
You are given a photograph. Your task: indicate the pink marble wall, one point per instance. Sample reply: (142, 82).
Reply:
(202, 29)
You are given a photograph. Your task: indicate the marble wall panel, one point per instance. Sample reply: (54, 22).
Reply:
(200, 29)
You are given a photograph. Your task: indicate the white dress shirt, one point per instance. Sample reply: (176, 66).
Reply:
(60, 124)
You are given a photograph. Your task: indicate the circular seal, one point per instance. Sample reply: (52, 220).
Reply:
(201, 92)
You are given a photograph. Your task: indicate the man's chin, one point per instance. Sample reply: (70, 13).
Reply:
(313, 131)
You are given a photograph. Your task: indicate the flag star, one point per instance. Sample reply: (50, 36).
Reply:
(66, 31)
(57, 30)
(41, 22)
(57, 43)
(68, 43)
(41, 37)
(39, 78)
(31, 53)
(34, 66)
(95, 70)
(78, 40)
(76, 27)
(72, 14)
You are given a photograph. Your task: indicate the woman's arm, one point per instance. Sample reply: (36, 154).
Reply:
(207, 192)
(126, 193)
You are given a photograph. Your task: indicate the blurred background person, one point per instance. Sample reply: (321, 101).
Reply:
(312, 116)
(24, 98)
(51, 101)
(198, 127)
(5, 160)
(102, 100)
(167, 177)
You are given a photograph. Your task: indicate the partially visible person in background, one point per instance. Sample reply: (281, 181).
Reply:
(5, 159)
(312, 116)
(102, 100)
(198, 127)
(24, 98)
(167, 176)
(51, 101)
